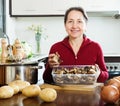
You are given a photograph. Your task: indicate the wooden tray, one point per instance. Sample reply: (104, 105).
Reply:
(73, 87)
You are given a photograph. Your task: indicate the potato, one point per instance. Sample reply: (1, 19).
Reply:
(21, 84)
(48, 94)
(6, 92)
(15, 88)
(31, 90)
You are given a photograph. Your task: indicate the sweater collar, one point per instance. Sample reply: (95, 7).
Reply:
(86, 41)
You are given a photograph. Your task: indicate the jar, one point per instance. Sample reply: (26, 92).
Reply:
(18, 50)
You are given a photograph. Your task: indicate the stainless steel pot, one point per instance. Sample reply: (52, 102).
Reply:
(27, 72)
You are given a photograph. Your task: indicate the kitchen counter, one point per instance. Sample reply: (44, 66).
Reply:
(8, 71)
(64, 98)
(33, 60)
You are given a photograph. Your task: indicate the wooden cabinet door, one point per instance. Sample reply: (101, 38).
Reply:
(2, 75)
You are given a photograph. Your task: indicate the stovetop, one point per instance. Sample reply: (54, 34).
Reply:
(113, 66)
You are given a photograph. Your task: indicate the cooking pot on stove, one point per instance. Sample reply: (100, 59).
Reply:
(25, 72)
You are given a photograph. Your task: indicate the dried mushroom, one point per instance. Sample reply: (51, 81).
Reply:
(75, 70)
(74, 75)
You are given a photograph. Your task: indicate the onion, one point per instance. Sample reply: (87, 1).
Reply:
(114, 82)
(117, 77)
(109, 94)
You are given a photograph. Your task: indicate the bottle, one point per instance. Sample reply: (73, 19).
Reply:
(18, 51)
(4, 50)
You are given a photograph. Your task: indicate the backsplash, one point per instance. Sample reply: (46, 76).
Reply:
(104, 30)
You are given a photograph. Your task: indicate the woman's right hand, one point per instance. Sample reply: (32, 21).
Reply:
(54, 60)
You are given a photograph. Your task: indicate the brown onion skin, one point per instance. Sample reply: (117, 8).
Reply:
(114, 82)
(117, 77)
(109, 94)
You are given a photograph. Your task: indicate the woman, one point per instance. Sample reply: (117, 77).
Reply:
(76, 48)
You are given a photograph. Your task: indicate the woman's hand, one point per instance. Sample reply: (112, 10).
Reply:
(54, 60)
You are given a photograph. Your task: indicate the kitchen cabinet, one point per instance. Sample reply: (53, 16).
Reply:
(58, 7)
(38, 7)
(99, 5)
(2, 73)
(29, 7)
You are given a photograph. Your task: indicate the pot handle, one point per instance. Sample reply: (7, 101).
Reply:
(43, 59)
(39, 67)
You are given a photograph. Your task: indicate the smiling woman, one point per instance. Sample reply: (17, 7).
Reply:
(76, 48)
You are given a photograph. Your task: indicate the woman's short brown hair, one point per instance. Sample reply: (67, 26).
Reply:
(76, 9)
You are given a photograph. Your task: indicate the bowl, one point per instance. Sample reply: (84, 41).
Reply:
(74, 74)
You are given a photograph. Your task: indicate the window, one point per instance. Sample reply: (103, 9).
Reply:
(2, 18)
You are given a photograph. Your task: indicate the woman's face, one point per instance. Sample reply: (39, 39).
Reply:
(75, 24)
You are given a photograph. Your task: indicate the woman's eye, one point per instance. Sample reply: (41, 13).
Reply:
(80, 21)
(70, 21)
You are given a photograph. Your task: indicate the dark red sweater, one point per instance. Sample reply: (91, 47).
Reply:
(90, 53)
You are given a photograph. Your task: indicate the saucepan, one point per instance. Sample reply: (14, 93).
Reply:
(24, 71)
(27, 72)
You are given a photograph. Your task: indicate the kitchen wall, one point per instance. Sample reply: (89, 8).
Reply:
(105, 30)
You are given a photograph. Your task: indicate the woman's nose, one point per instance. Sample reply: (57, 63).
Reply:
(74, 25)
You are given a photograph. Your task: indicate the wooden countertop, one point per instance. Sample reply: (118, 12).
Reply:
(64, 98)
(85, 88)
